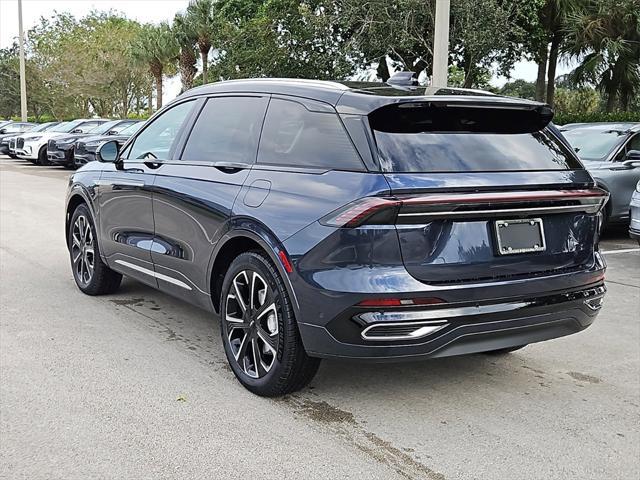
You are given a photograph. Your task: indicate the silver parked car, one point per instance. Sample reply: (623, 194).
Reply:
(611, 153)
(634, 226)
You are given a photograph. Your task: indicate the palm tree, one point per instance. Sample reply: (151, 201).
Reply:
(200, 15)
(606, 39)
(553, 18)
(186, 37)
(156, 47)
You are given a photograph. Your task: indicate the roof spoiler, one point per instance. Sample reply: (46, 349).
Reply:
(461, 115)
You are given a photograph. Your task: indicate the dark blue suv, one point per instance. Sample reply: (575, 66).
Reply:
(357, 220)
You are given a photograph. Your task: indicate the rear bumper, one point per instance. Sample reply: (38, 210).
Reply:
(468, 328)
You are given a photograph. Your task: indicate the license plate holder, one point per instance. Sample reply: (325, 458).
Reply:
(523, 235)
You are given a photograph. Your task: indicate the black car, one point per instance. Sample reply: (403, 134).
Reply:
(368, 221)
(60, 150)
(85, 147)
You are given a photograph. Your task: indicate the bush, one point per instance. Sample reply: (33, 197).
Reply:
(564, 118)
(136, 116)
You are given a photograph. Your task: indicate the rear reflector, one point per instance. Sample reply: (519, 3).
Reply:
(285, 261)
(398, 302)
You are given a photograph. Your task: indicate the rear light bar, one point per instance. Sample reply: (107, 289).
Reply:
(385, 210)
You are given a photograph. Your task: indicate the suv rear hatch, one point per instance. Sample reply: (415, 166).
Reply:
(485, 191)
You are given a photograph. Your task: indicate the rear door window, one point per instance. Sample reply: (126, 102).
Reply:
(295, 136)
(227, 130)
(461, 140)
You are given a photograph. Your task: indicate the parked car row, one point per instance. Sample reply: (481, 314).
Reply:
(57, 142)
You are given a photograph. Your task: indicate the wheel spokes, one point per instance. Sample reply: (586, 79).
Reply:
(251, 323)
(82, 250)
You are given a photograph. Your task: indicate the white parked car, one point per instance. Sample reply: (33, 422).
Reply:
(33, 146)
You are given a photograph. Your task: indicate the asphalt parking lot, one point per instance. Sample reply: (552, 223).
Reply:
(136, 385)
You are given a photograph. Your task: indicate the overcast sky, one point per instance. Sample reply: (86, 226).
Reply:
(146, 11)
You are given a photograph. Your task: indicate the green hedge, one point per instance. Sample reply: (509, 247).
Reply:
(564, 118)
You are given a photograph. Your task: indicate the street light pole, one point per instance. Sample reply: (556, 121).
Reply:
(441, 44)
(23, 80)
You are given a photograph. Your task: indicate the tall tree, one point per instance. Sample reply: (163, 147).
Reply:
(156, 47)
(186, 38)
(400, 30)
(486, 32)
(201, 16)
(281, 38)
(606, 40)
(545, 39)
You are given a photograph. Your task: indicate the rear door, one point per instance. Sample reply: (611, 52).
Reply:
(195, 192)
(487, 193)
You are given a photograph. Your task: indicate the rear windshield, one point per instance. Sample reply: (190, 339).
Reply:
(423, 142)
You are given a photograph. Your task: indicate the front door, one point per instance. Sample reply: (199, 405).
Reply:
(125, 196)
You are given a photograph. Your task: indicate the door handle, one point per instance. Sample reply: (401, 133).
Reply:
(230, 167)
(119, 183)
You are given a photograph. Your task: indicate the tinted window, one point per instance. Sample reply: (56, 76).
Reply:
(227, 130)
(471, 152)
(294, 136)
(88, 126)
(632, 144)
(155, 141)
(131, 129)
(18, 127)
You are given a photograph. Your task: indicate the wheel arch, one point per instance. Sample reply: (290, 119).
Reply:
(243, 238)
(76, 197)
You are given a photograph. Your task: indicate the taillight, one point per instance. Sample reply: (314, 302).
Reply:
(386, 210)
(365, 210)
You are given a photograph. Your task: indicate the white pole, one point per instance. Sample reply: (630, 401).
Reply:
(441, 44)
(23, 80)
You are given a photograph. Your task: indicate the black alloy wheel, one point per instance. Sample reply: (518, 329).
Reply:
(259, 331)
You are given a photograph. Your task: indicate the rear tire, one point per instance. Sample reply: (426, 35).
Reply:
(259, 332)
(504, 351)
(91, 274)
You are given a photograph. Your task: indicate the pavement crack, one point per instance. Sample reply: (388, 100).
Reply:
(622, 283)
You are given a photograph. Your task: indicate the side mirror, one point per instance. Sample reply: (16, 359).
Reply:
(4, 130)
(632, 155)
(112, 132)
(77, 130)
(108, 151)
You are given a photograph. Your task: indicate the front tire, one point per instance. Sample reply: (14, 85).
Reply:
(42, 156)
(259, 331)
(91, 274)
